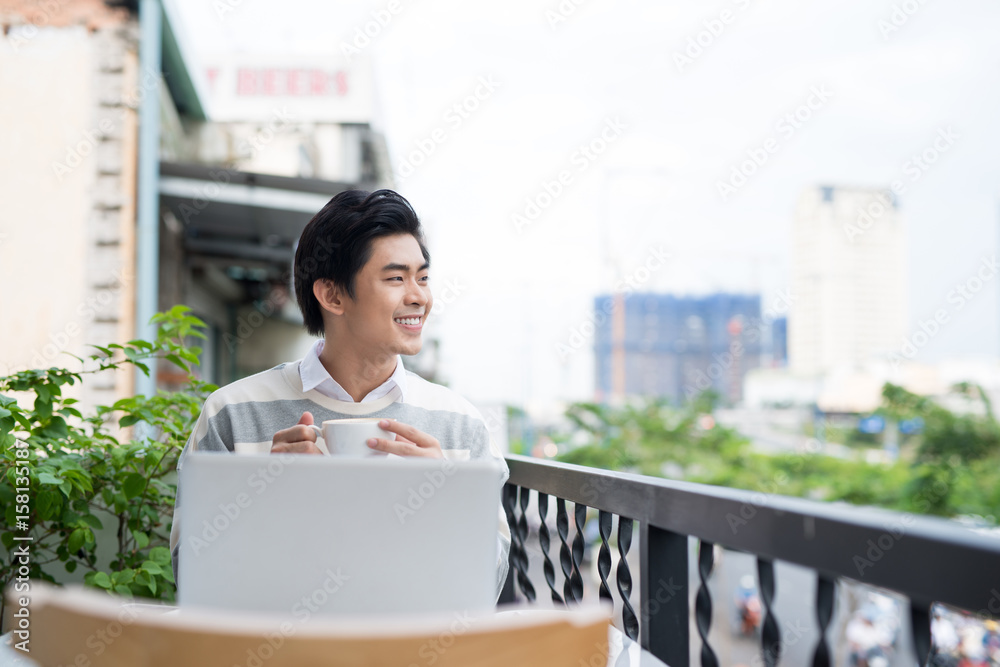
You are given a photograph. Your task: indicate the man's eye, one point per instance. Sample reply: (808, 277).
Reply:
(396, 278)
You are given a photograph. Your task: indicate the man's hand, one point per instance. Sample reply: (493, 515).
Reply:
(409, 441)
(299, 439)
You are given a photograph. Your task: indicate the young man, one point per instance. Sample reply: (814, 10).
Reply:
(361, 280)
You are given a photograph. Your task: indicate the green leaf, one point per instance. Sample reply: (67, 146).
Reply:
(173, 358)
(92, 521)
(48, 478)
(120, 503)
(56, 429)
(133, 485)
(153, 458)
(71, 566)
(82, 480)
(66, 487)
(141, 539)
(124, 591)
(48, 504)
(118, 455)
(128, 420)
(43, 406)
(76, 540)
(160, 555)
(43, 392)
(151, 567)
(124, 577)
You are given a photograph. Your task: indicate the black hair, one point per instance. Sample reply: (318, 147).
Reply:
(337, 243)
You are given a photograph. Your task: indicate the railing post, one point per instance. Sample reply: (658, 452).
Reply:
(521, 525)
(665, 614)
(507, 594)
(920, 630)
(826, 595)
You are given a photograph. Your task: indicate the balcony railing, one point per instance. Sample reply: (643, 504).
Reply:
(925, 559)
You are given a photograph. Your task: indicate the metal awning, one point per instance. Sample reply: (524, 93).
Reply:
(231, 216)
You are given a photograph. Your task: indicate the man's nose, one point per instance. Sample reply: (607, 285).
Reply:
(416, 294)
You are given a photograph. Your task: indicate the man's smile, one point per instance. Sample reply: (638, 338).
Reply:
(411, 322)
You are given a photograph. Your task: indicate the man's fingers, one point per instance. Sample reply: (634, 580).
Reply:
(409, 441)
(411, 433)
(297, 433)
(301, 432)
(301, 447)
(398, 447)
(403, 448)
(299, 439)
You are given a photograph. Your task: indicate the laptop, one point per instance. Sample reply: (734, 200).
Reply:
(309, 536)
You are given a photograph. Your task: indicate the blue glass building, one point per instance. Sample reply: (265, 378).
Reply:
(676, 347)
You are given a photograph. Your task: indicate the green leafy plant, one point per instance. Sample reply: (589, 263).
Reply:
(85, 476)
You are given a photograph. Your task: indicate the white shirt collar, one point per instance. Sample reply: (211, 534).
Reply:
(314, 375)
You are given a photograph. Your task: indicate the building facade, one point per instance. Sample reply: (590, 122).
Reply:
(676, 347)
(849, 278)
(72, 83)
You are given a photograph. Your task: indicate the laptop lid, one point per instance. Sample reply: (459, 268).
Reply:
(319, 535)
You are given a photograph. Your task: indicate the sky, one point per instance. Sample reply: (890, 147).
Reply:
(601, 132)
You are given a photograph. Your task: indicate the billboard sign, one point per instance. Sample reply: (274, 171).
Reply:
(328, 89)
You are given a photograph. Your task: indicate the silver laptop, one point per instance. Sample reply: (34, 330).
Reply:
(311, 535)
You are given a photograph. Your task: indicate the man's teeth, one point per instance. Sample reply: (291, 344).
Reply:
(409, 321)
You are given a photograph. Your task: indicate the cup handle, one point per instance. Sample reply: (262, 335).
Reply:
(320, 440)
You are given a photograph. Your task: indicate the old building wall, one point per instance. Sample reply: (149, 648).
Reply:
(67, 244)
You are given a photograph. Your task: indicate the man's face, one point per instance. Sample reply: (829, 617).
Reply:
(392, 298)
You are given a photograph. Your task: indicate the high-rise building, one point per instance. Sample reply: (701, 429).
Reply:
(779, 341)
(848, 279)
(676, 347)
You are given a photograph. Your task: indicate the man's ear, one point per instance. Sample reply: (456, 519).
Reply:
(331, 297)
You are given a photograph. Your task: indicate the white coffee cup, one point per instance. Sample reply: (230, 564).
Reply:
(349, 437)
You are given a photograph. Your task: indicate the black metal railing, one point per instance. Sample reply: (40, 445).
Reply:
(925, 559)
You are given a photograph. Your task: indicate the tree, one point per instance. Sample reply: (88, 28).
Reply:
(954, 468)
